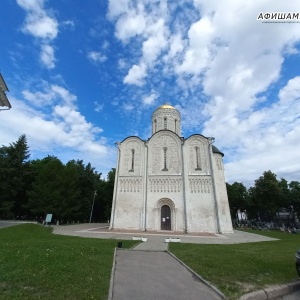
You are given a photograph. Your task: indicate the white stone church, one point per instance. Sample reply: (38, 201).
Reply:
(169, 182)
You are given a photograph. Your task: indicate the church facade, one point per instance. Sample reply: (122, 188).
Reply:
(169, 182)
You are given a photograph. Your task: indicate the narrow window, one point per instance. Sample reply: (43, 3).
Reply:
(165, 159)
(165, 123)
(132, 160)
(197, 150)
(176, 125)
(155, 125)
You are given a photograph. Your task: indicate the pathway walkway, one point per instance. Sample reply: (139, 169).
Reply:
(151, 275)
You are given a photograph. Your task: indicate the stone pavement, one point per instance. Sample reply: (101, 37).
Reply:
(151, 275)
(96, 230)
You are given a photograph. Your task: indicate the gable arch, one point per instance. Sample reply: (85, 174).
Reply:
(165, 201)
(165, 153)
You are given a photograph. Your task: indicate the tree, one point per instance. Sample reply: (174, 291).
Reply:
(294, 203)
(237, 197)
(267, 196)
(87, 181)
(13, 174)
(104, 198)
(46, 194)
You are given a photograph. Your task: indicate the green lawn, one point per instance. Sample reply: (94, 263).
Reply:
(242, 268)
(35, 264)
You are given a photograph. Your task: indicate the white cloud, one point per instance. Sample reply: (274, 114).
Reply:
(38, 23)
(150, 100)
(153, 46)
(51, 95)
(145, 20)
(291, 92)
(268, 139)
(96, 57)
(69, 23)
(129, 26)
(121, 63)
(47, 56)
(136, 75)
(128, 106)
(41, 25)
(198, 54)
(98, 107)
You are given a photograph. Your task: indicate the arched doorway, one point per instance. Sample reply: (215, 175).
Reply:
(165, 217)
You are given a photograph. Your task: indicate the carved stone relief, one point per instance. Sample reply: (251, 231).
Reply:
(200, 166)
(160, 185)
(130, 185)
(131, 158)
(219, 163)
(165, 147)
(200, 185)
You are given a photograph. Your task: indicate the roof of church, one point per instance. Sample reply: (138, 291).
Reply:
(166, 106)
(216, 150)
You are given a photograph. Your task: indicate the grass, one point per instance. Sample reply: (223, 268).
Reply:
(35, 264)
(242, 268)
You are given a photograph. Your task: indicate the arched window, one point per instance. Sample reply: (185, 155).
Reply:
(155, 126)
(132, 160)
(198, 160)
(165, 159)
(165, 123)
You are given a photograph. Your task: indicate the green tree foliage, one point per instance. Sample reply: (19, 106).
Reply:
(66, 191)
(14, 170)
(294, 199)
(88, 180)
(104, 197)
(267, 195)
(46, 188)
(237, 197)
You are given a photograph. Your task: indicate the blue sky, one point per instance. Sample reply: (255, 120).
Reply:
(83, 75)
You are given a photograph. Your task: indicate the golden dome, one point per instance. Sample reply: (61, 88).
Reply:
(166, 106)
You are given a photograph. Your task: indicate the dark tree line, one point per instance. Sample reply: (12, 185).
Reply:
(29, 189)
(267, 200)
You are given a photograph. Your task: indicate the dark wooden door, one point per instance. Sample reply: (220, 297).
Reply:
(165, 217)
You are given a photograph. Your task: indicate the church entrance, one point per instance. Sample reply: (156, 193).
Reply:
(165, 217)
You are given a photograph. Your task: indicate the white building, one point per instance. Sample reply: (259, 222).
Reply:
(169, 182)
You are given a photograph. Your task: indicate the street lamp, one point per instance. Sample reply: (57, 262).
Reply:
(93, 206)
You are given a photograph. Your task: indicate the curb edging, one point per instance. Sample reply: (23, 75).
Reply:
(112, 277)
(272, 292)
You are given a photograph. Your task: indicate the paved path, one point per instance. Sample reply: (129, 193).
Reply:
(151, 275)
(101, 231)
(4, 223)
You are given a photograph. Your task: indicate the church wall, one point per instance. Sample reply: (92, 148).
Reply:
(129, 194)
(159, 158)
(221, 193)
(128, 213)
(165, 180)
(200, 205)
(201, 213)
(165, 190)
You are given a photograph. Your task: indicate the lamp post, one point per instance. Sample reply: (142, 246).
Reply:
(93, 206)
